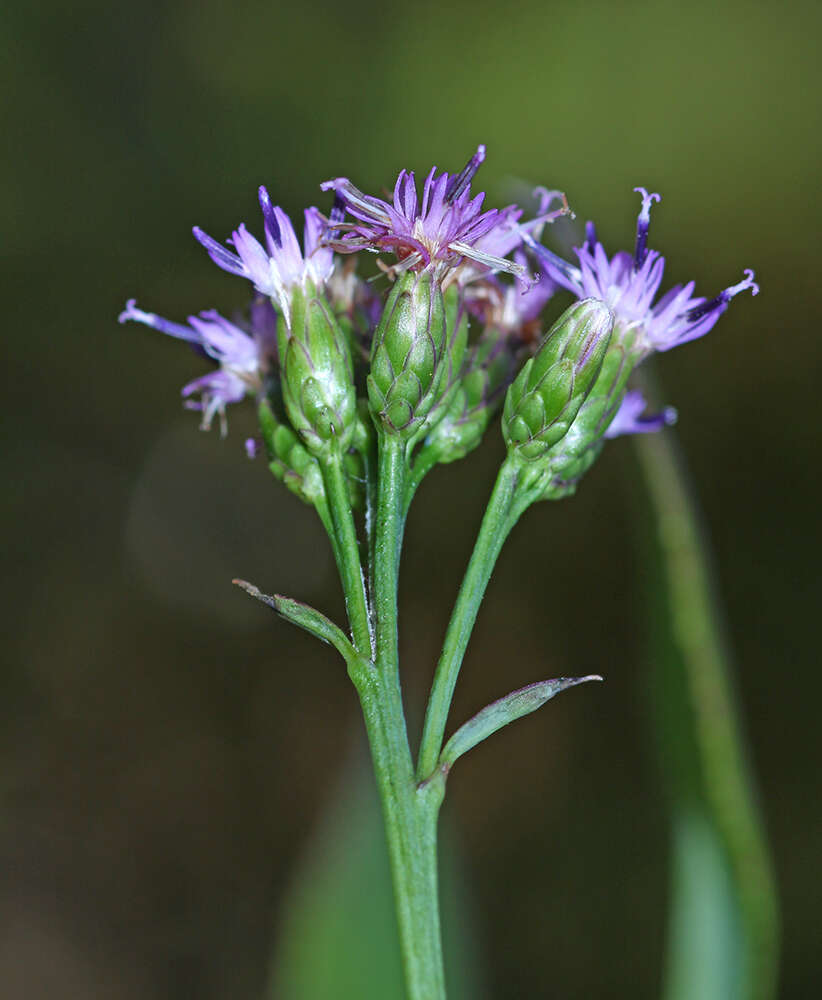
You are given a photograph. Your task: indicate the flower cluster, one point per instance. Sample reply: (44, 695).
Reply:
(433, 338)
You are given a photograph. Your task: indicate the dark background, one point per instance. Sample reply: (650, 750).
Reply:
(166, 745)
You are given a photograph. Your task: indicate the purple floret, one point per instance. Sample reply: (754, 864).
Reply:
(631, 417)
(628, 284)
(437, 232)
(280, 265)
(244, 357)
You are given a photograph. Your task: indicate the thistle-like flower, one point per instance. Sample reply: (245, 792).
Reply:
(245, 357)
(628, 284)
(436, 233)
(280, 266)
(510, 308)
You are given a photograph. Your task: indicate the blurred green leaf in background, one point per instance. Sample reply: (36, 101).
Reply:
(337, 934)
(723, 936)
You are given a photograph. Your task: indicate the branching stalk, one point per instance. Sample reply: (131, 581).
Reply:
(509, 499)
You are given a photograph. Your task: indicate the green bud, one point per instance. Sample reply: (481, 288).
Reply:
(453, 363)
(407, 370)
(486, 374)
(317, 373)
(546, 396)
(288, 459)
(581, 446)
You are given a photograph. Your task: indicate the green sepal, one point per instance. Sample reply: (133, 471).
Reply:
(574, 455)
(451, 365)
(317, 372)
(408, 350)
(545, 398)
(312, 621)
(499, 713)
(288, 459)
(486, 373)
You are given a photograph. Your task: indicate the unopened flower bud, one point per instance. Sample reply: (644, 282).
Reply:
(546, 396)
(571, 458)
(288, 459)
(407, 355)
(317, 373)
(453, 363)
(486, 374)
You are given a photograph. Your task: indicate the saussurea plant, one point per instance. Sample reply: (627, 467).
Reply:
(363, 384)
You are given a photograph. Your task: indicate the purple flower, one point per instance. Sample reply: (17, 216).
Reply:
(280, 265)
(513, 308)
(437, 233)
(507, 235)
(629, 418)
(628, 284)
(244, 357)
(509, 307)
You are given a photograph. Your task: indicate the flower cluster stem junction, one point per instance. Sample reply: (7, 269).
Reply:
(410, 801)
(510, 497)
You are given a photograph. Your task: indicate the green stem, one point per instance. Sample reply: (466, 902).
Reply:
(371, 480)
(388, 539)
(346, 551)
(423, 464)
(325, 516)
(409, 812)
(410, 818)
(508, 501)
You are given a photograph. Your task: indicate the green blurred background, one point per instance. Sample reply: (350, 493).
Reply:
(166, 746)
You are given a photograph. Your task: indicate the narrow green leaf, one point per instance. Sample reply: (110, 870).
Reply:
(307, 618)
(723, 933)
(499, 713)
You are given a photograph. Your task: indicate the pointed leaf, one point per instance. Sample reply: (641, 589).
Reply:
(499, 713)
(307, 618)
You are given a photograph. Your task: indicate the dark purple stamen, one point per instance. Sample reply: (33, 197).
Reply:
(718, 302)
(222, 258)
(643, 222)
(590, 235)
(269, 219)
(131, 312)
(337, 213)
(721, 301)
(459, 182)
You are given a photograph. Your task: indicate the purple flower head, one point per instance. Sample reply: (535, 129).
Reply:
(276, 268)
(631, 419)
(513, 308)
(436, 233)
(628, 284)
(244, 358)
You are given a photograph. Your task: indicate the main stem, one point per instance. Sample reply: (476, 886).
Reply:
(409, 811)
(508, 501)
